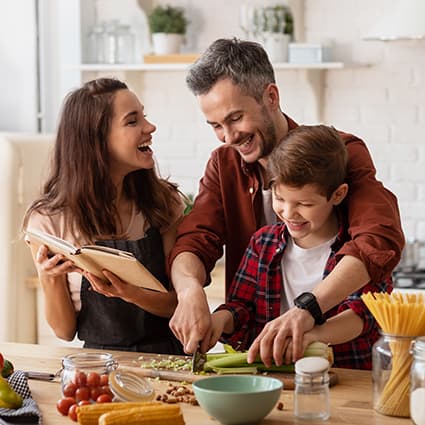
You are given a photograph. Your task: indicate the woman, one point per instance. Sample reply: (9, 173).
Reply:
(103, 189)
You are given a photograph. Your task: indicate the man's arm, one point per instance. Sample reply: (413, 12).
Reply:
(191, 322)
(374, 226)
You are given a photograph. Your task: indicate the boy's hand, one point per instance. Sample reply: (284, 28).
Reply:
(276, 336)
(220, 321)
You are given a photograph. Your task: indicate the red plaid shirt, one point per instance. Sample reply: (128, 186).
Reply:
(255, 297)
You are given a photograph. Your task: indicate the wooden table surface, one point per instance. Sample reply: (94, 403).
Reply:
(351, 398)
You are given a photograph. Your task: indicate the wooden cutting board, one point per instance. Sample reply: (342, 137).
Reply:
(189, 377)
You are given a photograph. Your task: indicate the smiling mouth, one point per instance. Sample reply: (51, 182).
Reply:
(145, 147)
(246, 144)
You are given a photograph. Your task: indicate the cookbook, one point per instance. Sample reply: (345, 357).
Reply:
(95, 258)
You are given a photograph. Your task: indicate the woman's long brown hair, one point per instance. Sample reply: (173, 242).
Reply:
(80, 185)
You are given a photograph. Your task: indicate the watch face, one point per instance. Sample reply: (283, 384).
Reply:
(304, 298)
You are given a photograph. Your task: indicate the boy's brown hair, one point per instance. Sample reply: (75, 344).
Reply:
(310, 155)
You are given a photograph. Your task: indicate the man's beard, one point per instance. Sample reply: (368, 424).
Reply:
(269, 134)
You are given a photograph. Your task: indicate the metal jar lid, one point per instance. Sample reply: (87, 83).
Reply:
(127, 386)
(311, 366)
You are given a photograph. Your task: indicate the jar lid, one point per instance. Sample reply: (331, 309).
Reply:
(311, 365)
(128, 386)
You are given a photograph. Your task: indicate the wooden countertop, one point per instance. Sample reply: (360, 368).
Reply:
(351, 398)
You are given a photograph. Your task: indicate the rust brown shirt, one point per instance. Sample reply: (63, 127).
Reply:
(228, 208)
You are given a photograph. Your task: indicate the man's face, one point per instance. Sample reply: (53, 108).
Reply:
(239, 120)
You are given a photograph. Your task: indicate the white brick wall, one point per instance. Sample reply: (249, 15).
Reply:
(381, 99)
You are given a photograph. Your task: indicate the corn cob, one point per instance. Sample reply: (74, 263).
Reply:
(90, 414)
(166, 414)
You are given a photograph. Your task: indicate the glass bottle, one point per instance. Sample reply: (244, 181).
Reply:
(311, 397)
(391, 362)
(417, 382)
(87, 370)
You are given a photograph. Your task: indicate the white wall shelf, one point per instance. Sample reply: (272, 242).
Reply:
(185, 66)
(312, 73)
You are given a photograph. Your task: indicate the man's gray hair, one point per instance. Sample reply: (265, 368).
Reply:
(245, 62)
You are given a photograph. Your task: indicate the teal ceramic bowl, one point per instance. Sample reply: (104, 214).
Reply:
(238, 399)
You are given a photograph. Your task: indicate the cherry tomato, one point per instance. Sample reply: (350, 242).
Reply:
(82, 393)
(72, 413)
(69, 389)
(1, 362)
(64, 404)
(104, 398)
(95, 393)
(104, 379)
(83, 402)
(80, 379)
(106, 390)
(93, 379)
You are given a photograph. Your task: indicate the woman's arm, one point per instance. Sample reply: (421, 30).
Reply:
(162, 304)
(159, 303)
(59, 308)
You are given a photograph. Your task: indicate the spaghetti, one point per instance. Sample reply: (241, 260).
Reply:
(398, 315)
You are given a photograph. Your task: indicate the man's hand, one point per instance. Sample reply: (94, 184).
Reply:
(277, 335)
(191, 322)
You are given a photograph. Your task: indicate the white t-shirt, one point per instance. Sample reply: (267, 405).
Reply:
(302, 270)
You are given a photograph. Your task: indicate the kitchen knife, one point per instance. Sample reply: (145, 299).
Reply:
(41, 376)
(198, 361)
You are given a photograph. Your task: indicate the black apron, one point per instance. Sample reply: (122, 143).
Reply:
(114, 324)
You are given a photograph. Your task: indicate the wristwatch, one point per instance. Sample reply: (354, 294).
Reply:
(307, 301)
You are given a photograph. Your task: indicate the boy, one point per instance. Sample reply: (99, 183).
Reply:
(307, 171)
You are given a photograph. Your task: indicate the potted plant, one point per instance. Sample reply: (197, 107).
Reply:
(167, 25)
(277, 27)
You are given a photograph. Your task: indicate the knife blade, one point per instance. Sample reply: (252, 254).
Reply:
(41, 376)
(198, 361)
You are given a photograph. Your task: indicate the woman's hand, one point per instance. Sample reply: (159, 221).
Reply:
(113, 286)
(53, 266)
(161, 304)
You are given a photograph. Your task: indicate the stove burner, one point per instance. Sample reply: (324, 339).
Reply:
(414, 279)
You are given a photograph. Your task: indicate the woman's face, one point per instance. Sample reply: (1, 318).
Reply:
(130, 136)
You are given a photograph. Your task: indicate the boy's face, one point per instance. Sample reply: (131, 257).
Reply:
(308, 214)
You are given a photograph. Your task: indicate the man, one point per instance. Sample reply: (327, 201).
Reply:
(235, 86)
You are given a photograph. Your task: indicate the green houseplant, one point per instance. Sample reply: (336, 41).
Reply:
(168, 25)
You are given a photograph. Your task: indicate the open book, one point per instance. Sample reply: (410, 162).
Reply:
(95, 258)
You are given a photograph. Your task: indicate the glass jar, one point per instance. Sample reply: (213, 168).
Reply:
(127, 386)
(391, 361)
(125, 44)
(96, 39)
(311, 397)
(417, 382)
(88, 373)
(110, 42)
